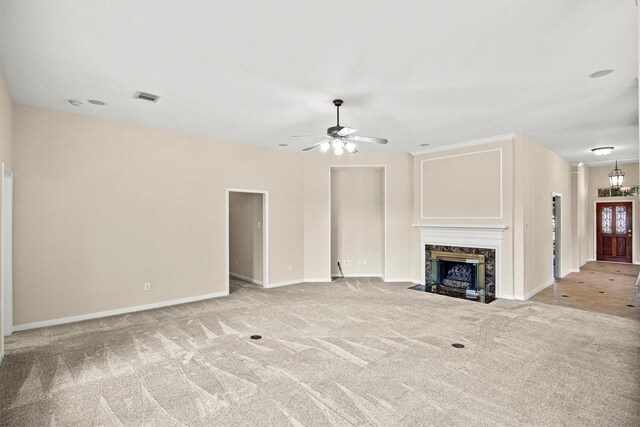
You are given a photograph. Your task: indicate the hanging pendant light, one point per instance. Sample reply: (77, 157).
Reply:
(616, 176)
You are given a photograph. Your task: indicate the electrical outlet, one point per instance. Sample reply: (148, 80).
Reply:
(364, 262)
(147, 287)
(236, 262)
(259, 225)
(291, 267)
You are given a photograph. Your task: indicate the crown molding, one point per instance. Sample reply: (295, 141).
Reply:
(463, 144)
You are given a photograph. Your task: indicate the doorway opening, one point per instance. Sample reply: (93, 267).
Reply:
(358, 221)
(7, 251)
(556, 230)
(613, 231)
(247, 239)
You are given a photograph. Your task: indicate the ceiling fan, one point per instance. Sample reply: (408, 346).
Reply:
(340, 138)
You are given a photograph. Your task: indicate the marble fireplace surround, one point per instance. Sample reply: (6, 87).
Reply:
(472, 236)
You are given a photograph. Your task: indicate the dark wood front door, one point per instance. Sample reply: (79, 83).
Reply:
(613, 231)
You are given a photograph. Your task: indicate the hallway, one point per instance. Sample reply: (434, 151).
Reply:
(602, 287)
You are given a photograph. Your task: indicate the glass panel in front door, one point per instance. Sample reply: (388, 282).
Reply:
(606, 219)
(621, 219)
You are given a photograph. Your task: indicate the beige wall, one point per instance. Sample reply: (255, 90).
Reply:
(357, 221)
(101, 207)
(579, 189)
(6, 156)
(450, 187)
(543, 174)
(246, 236)
(599, 178)
(317, 216)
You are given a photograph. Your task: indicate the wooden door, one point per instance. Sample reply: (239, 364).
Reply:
(613, 231)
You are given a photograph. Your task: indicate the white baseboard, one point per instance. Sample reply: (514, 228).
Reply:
(245, 278)
(115, 312)
(574, 270)
(387, 280)
(538, 289)
(285, 283)
(328, 280)
(506, 296)
(373, 276)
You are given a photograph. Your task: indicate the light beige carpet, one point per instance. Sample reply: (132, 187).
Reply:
(352, 352)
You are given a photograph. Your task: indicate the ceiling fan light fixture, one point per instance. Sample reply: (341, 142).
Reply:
(601, 151)
(350, 147)
(341, 138)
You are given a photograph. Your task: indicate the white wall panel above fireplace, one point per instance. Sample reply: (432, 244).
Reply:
(465, 185)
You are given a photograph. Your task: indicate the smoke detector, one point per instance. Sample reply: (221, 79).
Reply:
(146, 96)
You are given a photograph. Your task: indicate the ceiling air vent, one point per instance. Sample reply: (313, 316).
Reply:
(146, 96)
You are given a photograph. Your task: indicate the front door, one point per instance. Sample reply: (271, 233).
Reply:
(613, 231)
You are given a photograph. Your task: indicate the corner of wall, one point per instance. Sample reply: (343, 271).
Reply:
(6, 157)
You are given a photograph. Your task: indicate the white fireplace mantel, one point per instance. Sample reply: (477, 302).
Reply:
(472, 236)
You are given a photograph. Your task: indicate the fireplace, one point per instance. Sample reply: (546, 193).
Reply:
(461, 272)
(457, 274)
(464, 244)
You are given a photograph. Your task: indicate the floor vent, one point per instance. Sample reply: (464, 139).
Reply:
(146, 96)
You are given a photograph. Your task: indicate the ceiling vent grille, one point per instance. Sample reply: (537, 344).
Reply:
(146, 96)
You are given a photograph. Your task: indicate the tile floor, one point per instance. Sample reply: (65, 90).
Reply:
(602, 287)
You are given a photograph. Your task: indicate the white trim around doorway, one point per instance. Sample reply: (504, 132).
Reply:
(558, 211)
(635, 224)
(265, 230)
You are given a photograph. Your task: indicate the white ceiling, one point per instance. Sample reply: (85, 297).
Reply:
(258, 71)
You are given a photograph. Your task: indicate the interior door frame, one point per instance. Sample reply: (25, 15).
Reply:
(265, 234)
(558, 217)
(6, 252)
(595, 227)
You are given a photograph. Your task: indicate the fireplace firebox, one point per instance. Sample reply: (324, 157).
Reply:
(457, 274)
(460, 272)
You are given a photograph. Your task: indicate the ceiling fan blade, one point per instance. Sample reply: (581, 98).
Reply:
(368, 139)
(308, 136)
(346, 131)
(311, 147)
